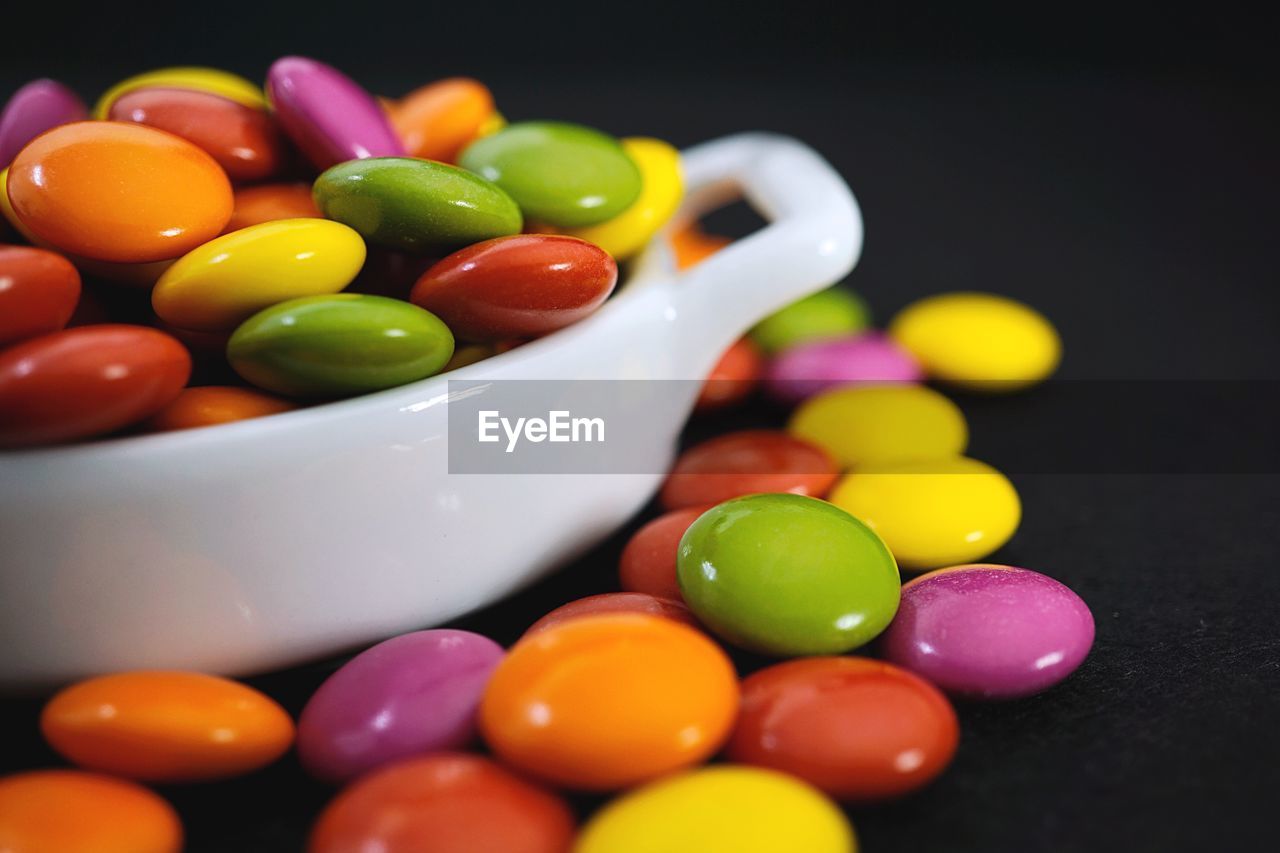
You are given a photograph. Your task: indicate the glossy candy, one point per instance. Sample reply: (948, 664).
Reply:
(269, 202)
(614, 602)
(803, 370)
(935, 512)
(745, 463)
(562, 174)
(39, 291)
(881, 423)
(211, 80)
(723, 809)
(82, 382)
(979, 340)
(691, 245)
(212, 405)
(522, 286)
(415, 205)
(242, 139)
(219, 285)
(858, 729)
(327, 115)
(119, 192)
(787, 575)
(436, 121)
(831, 313)
(336, 345)
(990, 632)
(603, 702)
(648, 562)
(67, 811)
(733, 378)
(662, 188)
(446, 803)
(33, 109)
(166, 726)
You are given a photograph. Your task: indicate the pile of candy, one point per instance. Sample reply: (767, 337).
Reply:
(387, 231)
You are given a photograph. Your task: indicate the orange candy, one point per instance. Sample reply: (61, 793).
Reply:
(216, 404)
(603, 702)
(438, 120)
(269, 202)
(163, 726)
(39, 291)
(734, 377)
(119, 192)
(68, 811)
(692, 245)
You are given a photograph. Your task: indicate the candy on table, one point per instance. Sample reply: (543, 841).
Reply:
(648, 561)
(800, 371)
(863, 424)
(733, 378)
(243, 140)
(211, 405)
(212, 80)
(858, 729)
(444, 803)
(36, 107)
(745, 463)
(217, 286)
(692, 245)
(82, 382)
(416, 205)
(438, 120)
(831, 313)
(722, 809)
(603, 702)
(979, 341)
(787, 575)
(269, 202)
(347, 343)
(934, 512)
(561, 174)
(522, 286)
(119, 192)
(39, 291)
(166, 726)
(69, 811)
(989, 631)
(412, 694)
(326, 114)
(614, 602)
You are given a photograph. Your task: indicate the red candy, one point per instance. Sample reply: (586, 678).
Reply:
(745, 463)
(648, 562)
(734, 377)
(517, 287)
(615, 602)
(87, 381)
(38, 293)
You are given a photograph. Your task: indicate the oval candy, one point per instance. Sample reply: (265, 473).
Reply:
(691, 245)
(800, 371)
(212, 405)
(832, 313)
(746, 463)
(438, 120)
(648, 561)
(614, 602)
(39, 291)
(662, 187)
(733, 378)
(269, 202)
(212, 80)
(36, 107)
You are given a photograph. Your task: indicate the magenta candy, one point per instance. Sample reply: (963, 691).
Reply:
(38, 106)
(412, 694)
(989, 632)
(327, 115)
(799, 372)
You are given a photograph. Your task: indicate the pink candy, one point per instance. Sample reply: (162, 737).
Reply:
(801, 371)
(38, 106)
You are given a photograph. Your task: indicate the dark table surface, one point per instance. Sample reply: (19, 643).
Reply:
(1140, 213)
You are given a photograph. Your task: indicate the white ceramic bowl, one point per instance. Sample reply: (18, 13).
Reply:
(255, 545)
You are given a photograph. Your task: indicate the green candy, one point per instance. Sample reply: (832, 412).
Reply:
(831, 313)
(330, 346)
(416, 205)
(787, 575)
(561, 174)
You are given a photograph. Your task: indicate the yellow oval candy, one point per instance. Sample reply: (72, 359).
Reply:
(881, 423)
(933, 513)
(212, 80)
(217, 286)
(979, 340)
(724, 809)
(663, 187)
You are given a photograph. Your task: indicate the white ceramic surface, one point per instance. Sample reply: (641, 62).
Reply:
(250, 546)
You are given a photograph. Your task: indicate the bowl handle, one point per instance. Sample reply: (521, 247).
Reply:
(813, 238)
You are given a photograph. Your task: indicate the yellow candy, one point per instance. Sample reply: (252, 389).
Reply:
(211, 80)
(933, 513)
(217, 286)
(979, 340)
(881, 423)
(724, 809)
(494, 123)
(629, 231)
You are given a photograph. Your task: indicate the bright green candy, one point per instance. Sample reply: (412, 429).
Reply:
(561, 174)
(831, 313)
(787, 575)
(348, 343)
(417, 205)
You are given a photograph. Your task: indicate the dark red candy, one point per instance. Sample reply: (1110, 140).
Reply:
(614, 602)
(746, 463)
(39, 290)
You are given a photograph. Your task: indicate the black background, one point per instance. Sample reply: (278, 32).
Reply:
(1117, 167)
